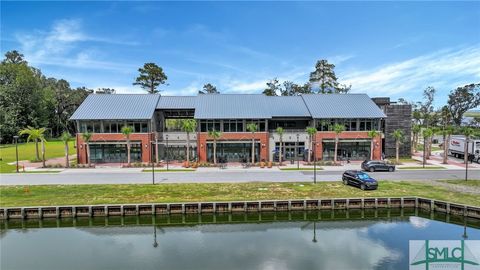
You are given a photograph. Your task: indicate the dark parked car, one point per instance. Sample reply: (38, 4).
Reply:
(377, 165)
(359, 179)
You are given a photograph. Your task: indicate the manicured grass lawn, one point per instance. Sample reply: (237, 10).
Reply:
(470, 183)
(118, 194)
(407, 160)
(434, 148)
(26, 151)
(301, 169)
(169, 170)
(421, 168)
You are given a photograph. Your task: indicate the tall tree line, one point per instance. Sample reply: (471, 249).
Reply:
(447, 120)
(28, 98)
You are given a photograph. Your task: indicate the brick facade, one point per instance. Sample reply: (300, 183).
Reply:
(261, 137)
(203, 138)
(144, 138)
(320, 136)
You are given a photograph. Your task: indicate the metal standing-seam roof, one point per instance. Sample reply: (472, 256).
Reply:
(342, 106)
(287, 106)
(176, 102)
(232, 106)
(116, 107)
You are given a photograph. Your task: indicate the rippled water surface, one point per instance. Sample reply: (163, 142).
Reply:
(319, 240)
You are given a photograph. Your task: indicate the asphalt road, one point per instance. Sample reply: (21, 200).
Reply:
(72, 178)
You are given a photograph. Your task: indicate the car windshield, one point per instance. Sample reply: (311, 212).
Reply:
(363, 176)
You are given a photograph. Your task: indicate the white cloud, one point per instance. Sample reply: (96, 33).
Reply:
(190, 90)
(338, 59)
(59, 47)
(256, 86)
(445, 68)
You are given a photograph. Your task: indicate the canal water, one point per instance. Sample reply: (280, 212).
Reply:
(360, 239)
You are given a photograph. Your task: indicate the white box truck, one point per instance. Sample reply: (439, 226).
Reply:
(457, 148)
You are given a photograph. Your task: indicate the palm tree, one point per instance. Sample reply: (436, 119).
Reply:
(34, 134)
(372, 134)
(252, 127)
(435, 130)
(127, 131)
(86, 137)
(399, 136)
(280, 133)
(468, 132)
(338, 129)
(311, 131)
(447, 134)
(66, 138)
(215, 135)
(189, 126)
(427, 133)
(416, 131)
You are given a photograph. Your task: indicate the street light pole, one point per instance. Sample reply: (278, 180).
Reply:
(16, 150)
(314, 162)
(296, 153)
(466, 163)
(155, 243)
(153, 163)
(166, 136)
(424, 146)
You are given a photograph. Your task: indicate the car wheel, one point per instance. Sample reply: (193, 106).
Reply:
(372, 169)
(391, 169)
(363, 187)
(345, 181)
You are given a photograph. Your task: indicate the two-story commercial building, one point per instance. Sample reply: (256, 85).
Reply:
(157, 134)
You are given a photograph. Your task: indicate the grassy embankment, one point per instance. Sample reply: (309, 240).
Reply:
(26, 151)
(118, 194)
(469, 183)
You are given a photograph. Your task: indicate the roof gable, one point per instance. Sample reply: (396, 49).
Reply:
(176, 102)
(232, 106)
(116, 107)
(287, 106)
(342, 106)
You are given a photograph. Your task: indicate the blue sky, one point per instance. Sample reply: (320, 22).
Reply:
(382, 48)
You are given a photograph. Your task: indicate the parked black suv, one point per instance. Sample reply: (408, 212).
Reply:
(359, 179)
(377, 165)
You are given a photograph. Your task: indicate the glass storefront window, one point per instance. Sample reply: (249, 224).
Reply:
(288, 151)
(179, 153)
(115, 153)
(347, 150)
(233, 152)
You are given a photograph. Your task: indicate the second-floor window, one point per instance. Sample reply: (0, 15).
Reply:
(112, 126)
